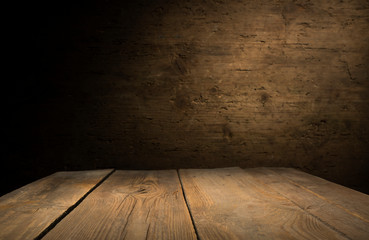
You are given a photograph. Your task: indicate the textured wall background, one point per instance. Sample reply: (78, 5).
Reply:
(193, 84)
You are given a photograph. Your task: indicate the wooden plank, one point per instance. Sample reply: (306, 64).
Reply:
(228, 204)
(130, 205)
(27, 211)
(353, 202)
(337, 218)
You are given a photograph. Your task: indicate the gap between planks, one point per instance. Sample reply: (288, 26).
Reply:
(130, 205)
(308, 191)
(188, 207)
(71, 208)
(265, 191)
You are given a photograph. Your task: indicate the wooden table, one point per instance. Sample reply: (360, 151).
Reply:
(226, 203)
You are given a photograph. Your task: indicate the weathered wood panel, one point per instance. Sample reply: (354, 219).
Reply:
(27, 211)
(199, 84)
(351, 201)
(332, 214)
(228, 204)
(130, 205)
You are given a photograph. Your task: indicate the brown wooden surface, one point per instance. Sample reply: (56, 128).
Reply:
(229, 204)
(226, 203)
(328, 211)
(349, 200)
(26, 212)
(130, 205)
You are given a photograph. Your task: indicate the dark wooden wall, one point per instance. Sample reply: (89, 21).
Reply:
(188, 84)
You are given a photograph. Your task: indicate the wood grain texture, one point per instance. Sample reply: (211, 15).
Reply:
(27, 211)
(229, 204)
(330, 213)
(351, 201)
(130, 205)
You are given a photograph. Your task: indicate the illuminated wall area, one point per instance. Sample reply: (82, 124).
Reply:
(192, 84)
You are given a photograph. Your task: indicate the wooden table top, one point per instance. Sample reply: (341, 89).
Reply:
(224, 203)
